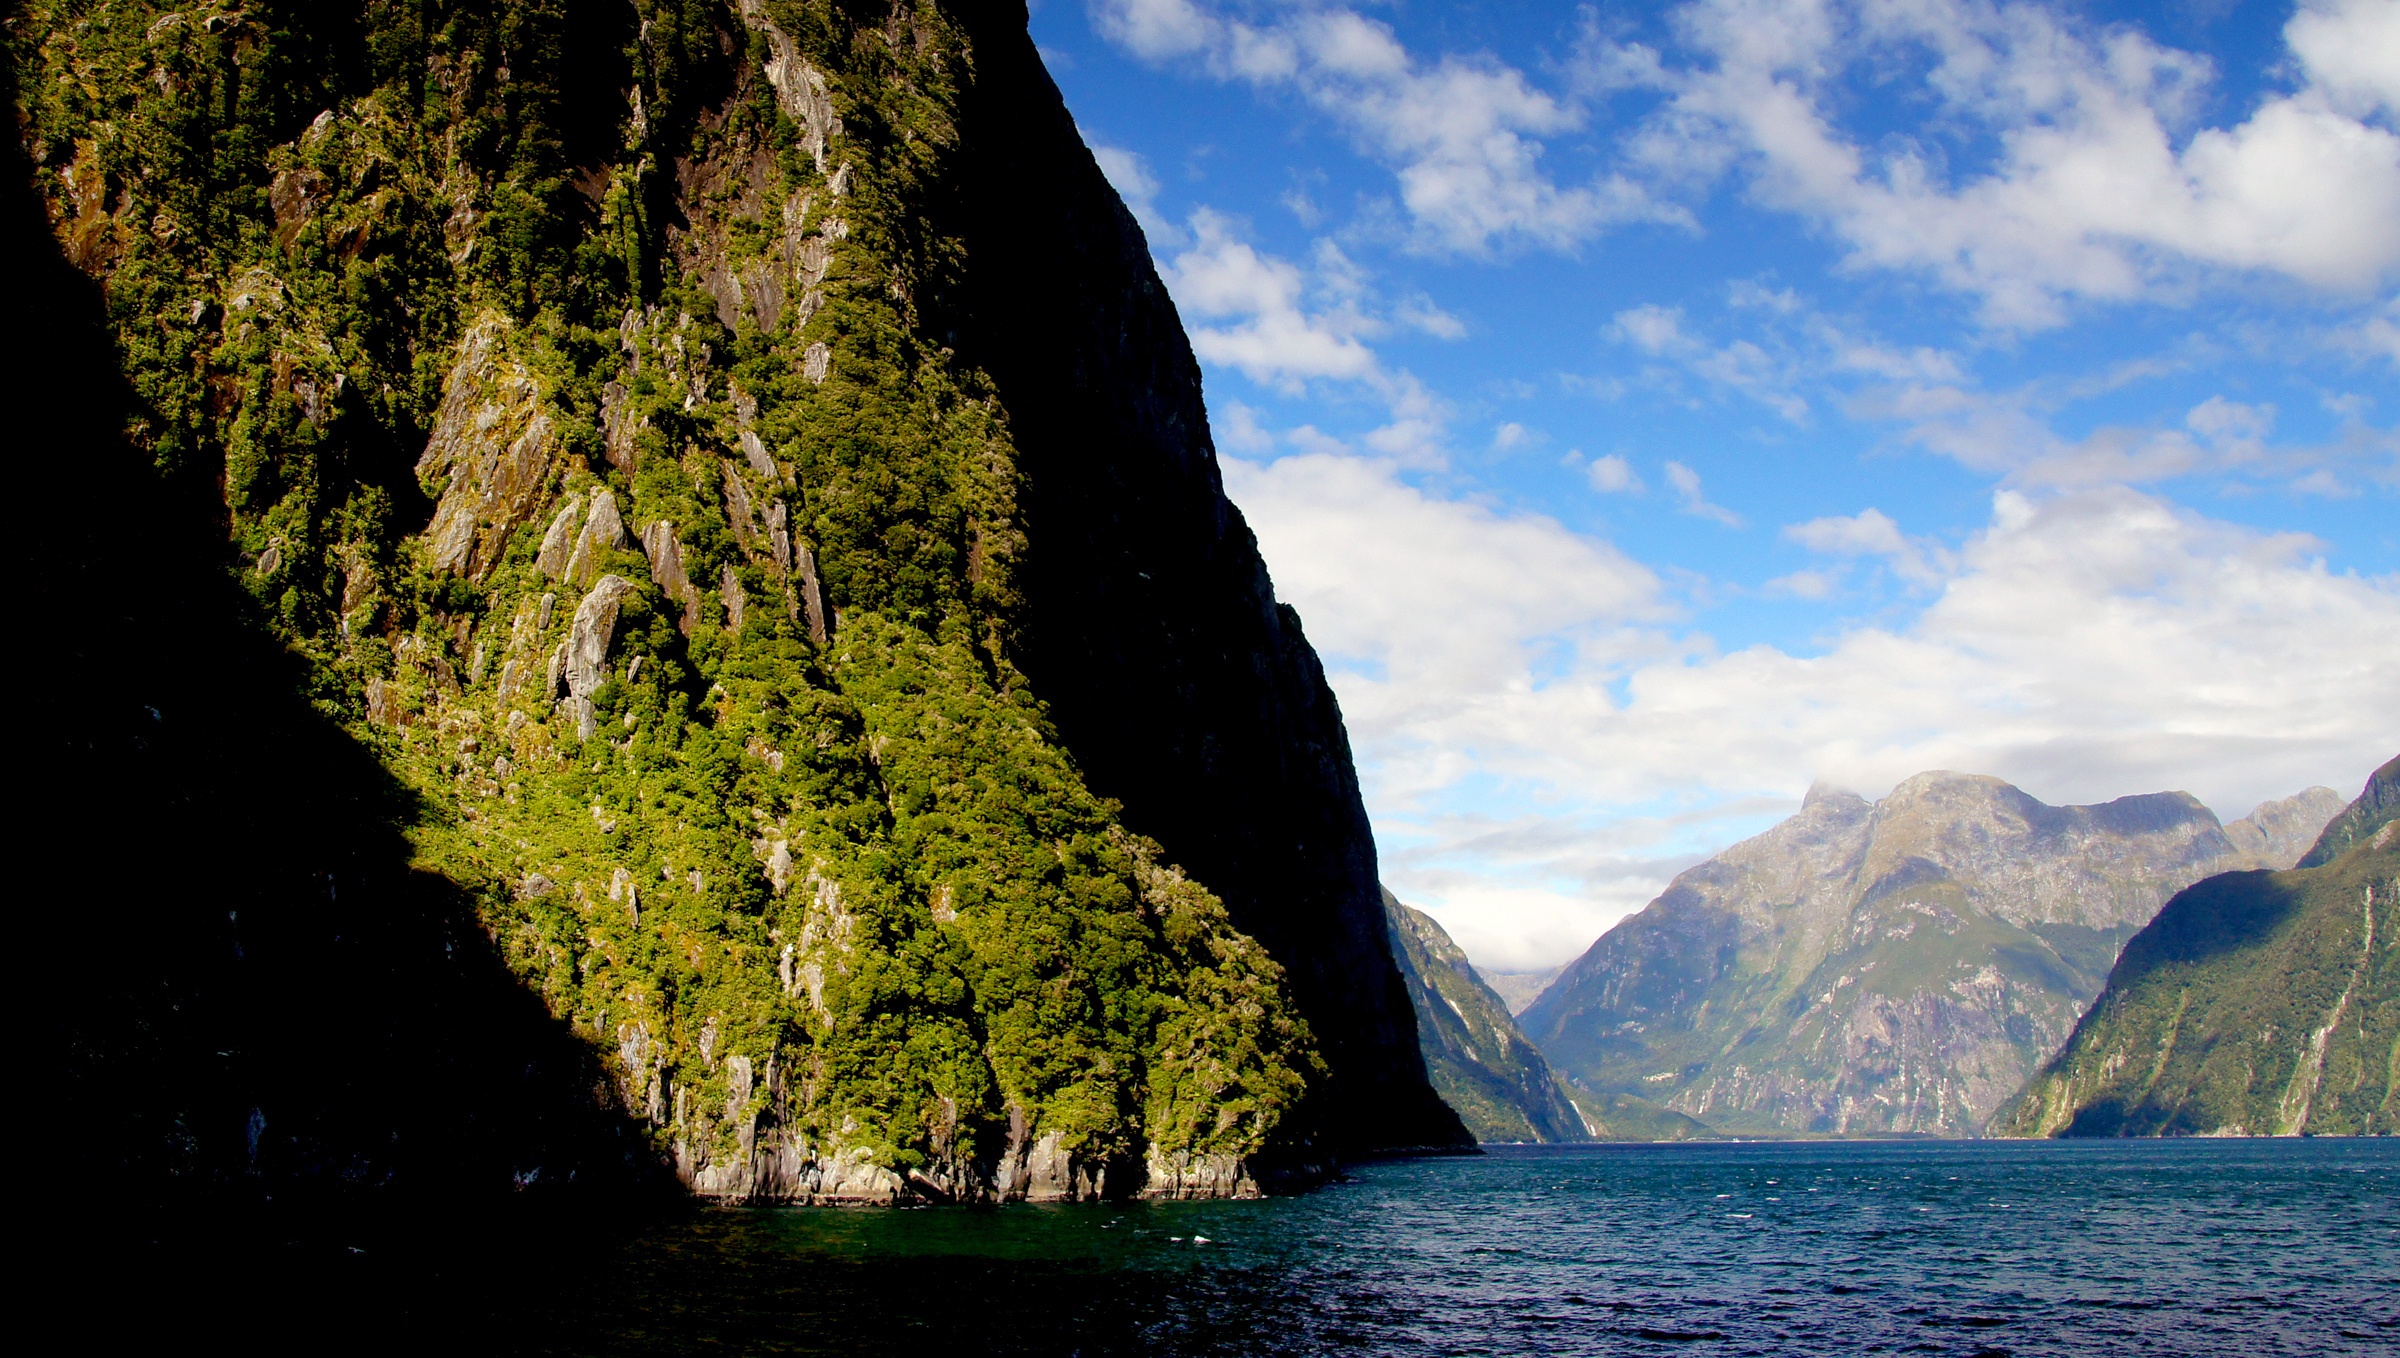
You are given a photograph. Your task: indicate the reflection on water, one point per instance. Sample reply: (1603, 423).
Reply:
(2184, 1247)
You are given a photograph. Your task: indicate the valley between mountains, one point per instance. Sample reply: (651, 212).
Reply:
(1907, 966)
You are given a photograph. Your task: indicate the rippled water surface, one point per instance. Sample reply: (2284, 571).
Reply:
(2177, 1247)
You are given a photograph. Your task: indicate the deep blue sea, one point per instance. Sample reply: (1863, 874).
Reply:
(2072, 1248)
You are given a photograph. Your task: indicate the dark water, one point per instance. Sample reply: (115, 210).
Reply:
(2177, 1247)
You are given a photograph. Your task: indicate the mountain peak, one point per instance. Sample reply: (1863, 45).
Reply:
(2247, 1005)
(1900, 967)
(1829, 794)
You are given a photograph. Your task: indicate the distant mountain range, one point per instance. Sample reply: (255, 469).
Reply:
(1478, 1060)
(1483, 1066)
(1519, 989)
(1896, 966)
(2256, 1003)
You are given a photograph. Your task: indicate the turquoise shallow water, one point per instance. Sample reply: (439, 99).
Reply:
(2173, 1247)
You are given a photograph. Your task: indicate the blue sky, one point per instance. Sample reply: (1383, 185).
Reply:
(1653, 409)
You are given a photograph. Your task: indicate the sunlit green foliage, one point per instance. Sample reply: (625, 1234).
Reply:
(869, 865)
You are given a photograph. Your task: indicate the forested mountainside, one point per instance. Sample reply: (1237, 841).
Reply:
(1480, 1063)
(647, 583)
(2257, 1003)
(1899, 966)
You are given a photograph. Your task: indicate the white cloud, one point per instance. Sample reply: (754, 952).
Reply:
(2005, 435)
(1463, 135)
(2085, 645)
(1871, 532)
(1612, 475)
(2377, 334)
(1743, 365)
(1413, 584)
(1653, 329)
(2351, 49)
(1419, 313)
(2101, 185)
(1686, 484)
(1129, 174)
(1272, 329)
(1285, 327)
(2092, 192)
(1809, 584)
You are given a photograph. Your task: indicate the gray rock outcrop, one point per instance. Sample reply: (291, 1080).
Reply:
(491, 448)
(665, 551)
(585, 653)
(2278, 832)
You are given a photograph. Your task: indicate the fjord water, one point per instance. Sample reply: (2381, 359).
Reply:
(2082, 1248)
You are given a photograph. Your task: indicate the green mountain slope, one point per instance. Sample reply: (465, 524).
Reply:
(1479, 1062)
(2256, 1003)
(817, 672)
(1900, 966)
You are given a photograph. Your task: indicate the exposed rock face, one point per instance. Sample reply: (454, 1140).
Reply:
(1188, 693)
(665, 551)
(585, 663)
(2277, 833)
(1896, 966)
(490, 451)
(2256, 1004)
(1480, 1064)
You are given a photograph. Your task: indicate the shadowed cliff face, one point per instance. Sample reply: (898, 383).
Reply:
(1152, 629)
(2255, 1004)
(247, 986)
(629, 686)
(1895, 966)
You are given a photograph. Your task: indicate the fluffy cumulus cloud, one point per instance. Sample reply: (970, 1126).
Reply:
(2096, 189)
(1872, 533)
(1463, 135)
(2084, 644)
(2104, 183)
(1288, 326)
(2351, 49)
(1263, 316)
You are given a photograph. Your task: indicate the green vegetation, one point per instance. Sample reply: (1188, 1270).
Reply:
(798, 848)
(1479, 1062)
(2256, 1003)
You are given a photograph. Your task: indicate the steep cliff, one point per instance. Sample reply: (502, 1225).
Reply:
(1895, 966)
(1481, 1065)
(2256, 1004)
(727, 488)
